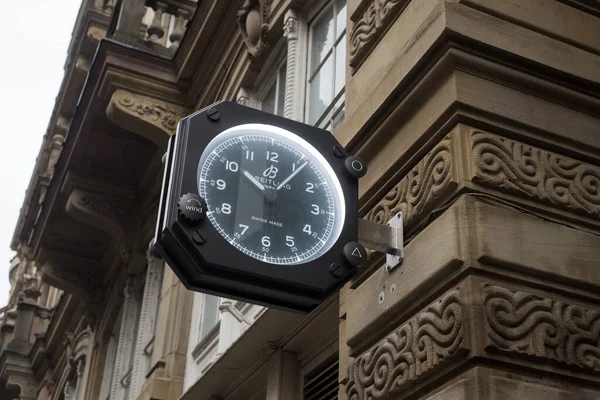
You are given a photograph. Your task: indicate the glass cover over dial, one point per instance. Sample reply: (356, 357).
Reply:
(271, 194)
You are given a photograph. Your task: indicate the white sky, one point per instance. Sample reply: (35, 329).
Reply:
(34, 49)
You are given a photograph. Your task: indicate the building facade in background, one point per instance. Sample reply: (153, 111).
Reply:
(479, 120)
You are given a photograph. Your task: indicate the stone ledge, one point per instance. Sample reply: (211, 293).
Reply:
(474, 236)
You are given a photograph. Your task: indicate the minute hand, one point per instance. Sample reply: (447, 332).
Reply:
(292, 175)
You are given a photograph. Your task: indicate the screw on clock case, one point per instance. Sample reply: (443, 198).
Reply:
(213, 265)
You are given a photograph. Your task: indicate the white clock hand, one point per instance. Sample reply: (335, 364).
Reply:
(292, 175)
(253, 180)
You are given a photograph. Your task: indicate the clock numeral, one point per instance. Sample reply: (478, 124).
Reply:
(307, 228)
(226, 208)
(271, 172)
(310, 187)
(315, 209)
(266, 241)
(289, 241)
(231, 166)
(249, 155)
(221, 184)
(272, 156)
(244, 229)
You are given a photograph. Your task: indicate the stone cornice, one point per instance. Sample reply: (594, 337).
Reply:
(148, 117)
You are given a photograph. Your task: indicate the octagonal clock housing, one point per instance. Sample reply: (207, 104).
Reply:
(257, 207)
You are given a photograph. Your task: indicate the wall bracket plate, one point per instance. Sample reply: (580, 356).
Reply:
(388, 239)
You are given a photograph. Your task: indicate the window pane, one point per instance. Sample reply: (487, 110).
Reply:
(321, 92)
(210, 314)
(281, 94)
(321, 38)
(340, 19)
(340, 65)
(268, 102)
(335, 115)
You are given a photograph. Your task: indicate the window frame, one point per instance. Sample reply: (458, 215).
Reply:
(313, 13)
(269, 75)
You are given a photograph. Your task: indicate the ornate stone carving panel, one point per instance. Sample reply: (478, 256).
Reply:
(540, 327)
(102, 211)
(371, 20)
(148, 117)
(426, 186)
(535, 173)
(430, 338)
(253, 20)
(72, 274)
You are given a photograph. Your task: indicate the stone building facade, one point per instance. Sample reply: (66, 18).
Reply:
(479, 120)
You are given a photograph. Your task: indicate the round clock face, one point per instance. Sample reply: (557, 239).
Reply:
(271, 194)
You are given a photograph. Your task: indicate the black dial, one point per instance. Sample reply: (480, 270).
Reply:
(270, 194)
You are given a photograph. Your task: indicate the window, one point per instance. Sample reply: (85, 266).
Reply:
(272, 100)
(322, 383)
(326, 68)
(210, 314)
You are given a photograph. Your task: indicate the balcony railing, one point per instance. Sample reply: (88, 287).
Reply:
(157, 24)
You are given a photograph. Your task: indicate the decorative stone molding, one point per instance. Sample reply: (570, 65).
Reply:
(371, 20)
(534, 326)
(99, 210)
(77, 347)
(147, 322)
(228, 307)
(126, 337)
(430, 338)
(26, 384)
(62, 126)
(82, 64)
(154, 119)
(243, 97)
(253, 20)
(290, 31)
(531, 172)
(426, 186)
(29, 292)
(95, 33)
(72, 274)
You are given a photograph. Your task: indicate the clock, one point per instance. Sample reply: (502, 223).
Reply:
(271, 194)
(259, 208)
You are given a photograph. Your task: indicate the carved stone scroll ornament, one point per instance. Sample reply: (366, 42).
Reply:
(520, 322)
(531, 172)
(370, 23)
(95, 33)
(154, 119)
(26, 383)
(253, 20)
(71, 274)
(426, 186)
(101, 211)
(417, 347)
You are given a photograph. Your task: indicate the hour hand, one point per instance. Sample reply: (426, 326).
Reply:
(254, 181)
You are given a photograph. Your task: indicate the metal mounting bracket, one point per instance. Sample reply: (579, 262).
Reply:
(388, 239)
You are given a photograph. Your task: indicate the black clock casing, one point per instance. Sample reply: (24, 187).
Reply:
(204, 261)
